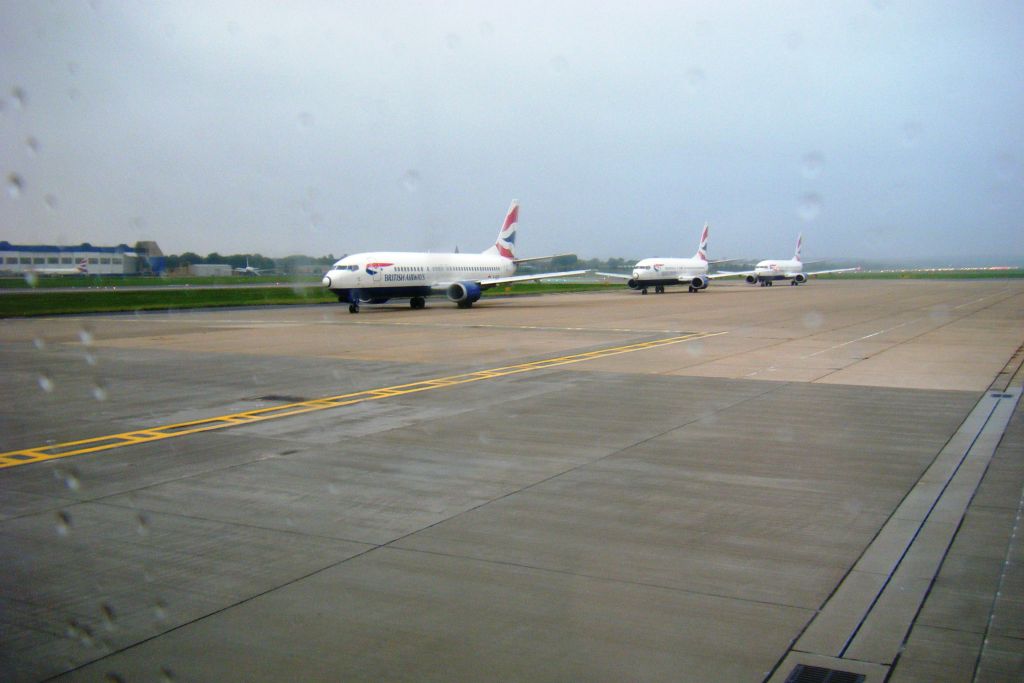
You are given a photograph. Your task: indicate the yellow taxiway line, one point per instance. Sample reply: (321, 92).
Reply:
(150, 434)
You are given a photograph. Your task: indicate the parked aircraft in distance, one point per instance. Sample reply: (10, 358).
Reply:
(81, 269)
(375, 277)
(768, 271)
(662, 272)
(253, 270)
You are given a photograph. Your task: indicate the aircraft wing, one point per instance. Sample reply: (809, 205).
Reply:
(491, 282)
(540, 258)
(726, 273)
(616, 275)
(836, 270)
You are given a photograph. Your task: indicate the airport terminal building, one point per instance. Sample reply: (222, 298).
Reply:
(144, 258)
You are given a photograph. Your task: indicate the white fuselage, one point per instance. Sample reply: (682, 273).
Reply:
(778, 270)
(669, 270)
(397, 270)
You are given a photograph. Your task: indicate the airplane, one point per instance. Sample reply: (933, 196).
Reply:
(768, 271)
(252, 270)
(662, 272)
(375, 277)
(81, 269)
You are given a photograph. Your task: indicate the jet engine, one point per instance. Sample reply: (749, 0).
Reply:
(464, 293)
(699, 282)
(751, 279)
(633, 284)
(800, 278)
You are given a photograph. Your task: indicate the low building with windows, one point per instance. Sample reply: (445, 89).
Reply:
(17, 259)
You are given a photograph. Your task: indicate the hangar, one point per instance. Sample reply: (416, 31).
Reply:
(122, 259)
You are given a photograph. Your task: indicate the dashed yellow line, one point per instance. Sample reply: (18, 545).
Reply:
(150, 434)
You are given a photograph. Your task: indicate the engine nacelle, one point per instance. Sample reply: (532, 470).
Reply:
(699, 282)
(633, 284)
(374, 299)
(464, 292)
(800, 278)
(751, 279)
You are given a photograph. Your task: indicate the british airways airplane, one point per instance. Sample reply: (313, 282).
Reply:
(768, 271)
(662, 272)
(378, 276)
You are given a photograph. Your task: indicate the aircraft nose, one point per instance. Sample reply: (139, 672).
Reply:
(327, 280)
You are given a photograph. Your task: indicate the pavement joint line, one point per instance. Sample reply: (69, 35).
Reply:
(108, 442)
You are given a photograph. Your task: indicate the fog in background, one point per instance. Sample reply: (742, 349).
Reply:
(881, 130)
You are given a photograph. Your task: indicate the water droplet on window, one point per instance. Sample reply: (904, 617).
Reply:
(560, 64)
(99, 391)
(809, 207)
(45, 383)
(63, 523)
(109, 616)
(694, 78)
(39, 343)
(813, 320)
(811, 165)
(15, 185)
(911, 133)
(19, 96)
(114, 677)
(160, 610)
(85, 335)
(31, 279)
(411, 180)
(167, 675)
(69, 477)
(142, 525)
(332, 489)
(79, 632)
(695, 349)
(51, 202)
(32, 146)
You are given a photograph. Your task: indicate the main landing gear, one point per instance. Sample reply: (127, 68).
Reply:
(417, 302)
(658, 289)
(766, 283)
(353, 308)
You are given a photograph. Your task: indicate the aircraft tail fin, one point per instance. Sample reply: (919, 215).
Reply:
(505, 245)
(799, 245)
(83, 266)
(702, 248)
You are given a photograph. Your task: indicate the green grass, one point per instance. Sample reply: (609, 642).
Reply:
(89, 301)
(158, 298)
(105, 301)
(86, 281)
(927, 275)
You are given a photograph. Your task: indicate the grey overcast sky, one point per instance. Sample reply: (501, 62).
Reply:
(884, 129)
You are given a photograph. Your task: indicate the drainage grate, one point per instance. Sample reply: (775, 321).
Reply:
(996, 394)
(803, 673)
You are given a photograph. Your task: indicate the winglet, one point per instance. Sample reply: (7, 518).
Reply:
(799, 244)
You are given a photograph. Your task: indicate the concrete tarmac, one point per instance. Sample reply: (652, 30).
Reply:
(605, 486)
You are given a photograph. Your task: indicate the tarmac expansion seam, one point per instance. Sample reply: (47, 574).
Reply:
(108, 442)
